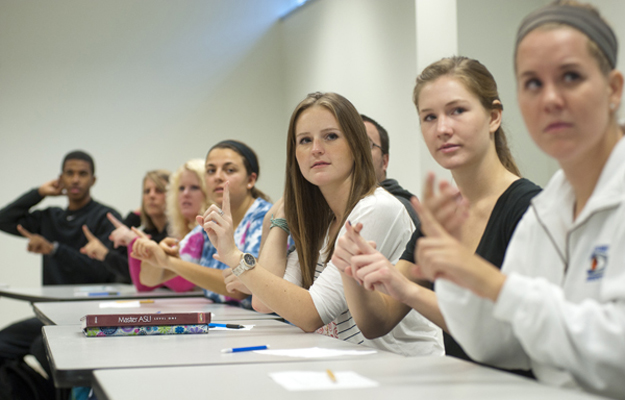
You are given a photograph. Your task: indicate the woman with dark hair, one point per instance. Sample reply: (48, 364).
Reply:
(330, 180)
(460, 114)
(228, 163)
(558, 304)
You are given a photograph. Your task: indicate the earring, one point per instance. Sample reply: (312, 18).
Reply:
(612, 106)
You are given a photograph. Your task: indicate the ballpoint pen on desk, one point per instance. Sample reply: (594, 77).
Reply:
(91, 294)
(242, 349)
(230, 326)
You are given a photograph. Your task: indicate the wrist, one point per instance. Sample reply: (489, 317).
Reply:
(53, 248)
(232, 260)
(279, 223)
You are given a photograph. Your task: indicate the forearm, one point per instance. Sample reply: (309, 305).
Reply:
(152, 276)
(116, 261)
(424, 301)
(290, 301)
(375, 313)
(207, 278)
(17, 213)
(273, 253)
(81, 268)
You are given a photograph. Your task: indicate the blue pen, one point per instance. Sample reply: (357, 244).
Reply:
(230, 326)
(240, 349)
(103, 294)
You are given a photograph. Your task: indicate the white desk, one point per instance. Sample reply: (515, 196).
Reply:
(73, 356)
(398, 378)
(88, 292)
(70, 312)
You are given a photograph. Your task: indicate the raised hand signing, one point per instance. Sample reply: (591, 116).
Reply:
(220, 230)
(52, 188)
(368, 266)
(147, 250)
(439, 255)
(448, 207)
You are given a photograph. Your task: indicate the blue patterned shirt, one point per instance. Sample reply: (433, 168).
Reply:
(197, 248)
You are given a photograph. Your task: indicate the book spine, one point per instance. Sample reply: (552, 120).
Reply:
(102, 331)
(153, 319)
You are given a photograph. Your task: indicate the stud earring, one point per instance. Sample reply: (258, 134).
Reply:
(612, 106)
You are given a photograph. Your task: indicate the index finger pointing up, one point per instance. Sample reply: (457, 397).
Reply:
(88, 233)
(225, 207)
(429, 224)
(24, 232)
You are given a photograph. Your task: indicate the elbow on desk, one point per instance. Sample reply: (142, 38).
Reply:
(260, 307)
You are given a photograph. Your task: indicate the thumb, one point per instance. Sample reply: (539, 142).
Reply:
(200, 220)
(88, 233)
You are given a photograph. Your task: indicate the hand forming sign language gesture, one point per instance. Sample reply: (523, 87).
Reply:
(36, 243)
(94, 247)
(218, 225)
(441, 255)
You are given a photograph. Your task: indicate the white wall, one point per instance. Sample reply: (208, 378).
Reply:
(140, 85)
(486, 32)
(365, 51)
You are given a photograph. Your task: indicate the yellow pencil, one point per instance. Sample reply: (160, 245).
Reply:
(331, 375)
(140, 301)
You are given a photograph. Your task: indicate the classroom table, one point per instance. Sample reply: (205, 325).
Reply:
(70, 312)
(398, 378)
(73, 356)
(88, 292)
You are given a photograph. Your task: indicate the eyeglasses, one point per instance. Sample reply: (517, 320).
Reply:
(373, 145)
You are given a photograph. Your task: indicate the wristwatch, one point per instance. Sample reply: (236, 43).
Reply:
(247, 262)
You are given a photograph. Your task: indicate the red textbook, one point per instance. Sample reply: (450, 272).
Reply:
(146, 319)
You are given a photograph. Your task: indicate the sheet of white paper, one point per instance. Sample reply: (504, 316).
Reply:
(219, 328)
(120, 304)
(315, 352)
(312, 380)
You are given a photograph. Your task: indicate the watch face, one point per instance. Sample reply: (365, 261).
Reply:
(249, 259)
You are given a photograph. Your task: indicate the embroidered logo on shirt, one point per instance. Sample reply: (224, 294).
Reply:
(598, 262)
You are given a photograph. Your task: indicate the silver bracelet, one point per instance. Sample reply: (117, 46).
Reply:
(280, 223)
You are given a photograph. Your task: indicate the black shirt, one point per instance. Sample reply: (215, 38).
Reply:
(503, 220)
(67, 265)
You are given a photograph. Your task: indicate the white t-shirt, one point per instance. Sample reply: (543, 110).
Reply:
(387, 223)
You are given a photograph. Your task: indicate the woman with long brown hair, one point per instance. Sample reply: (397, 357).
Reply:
(330, 180)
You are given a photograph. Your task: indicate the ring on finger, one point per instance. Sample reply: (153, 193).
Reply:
(221, 212)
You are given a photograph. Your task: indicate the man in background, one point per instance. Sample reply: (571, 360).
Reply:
(57, 234)
(380, 153)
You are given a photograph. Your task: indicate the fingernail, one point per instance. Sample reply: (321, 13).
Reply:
(349, 222)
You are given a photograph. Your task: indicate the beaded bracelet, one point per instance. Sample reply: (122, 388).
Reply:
(280, 223)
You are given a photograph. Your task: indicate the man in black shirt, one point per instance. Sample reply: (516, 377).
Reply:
(57, 235)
